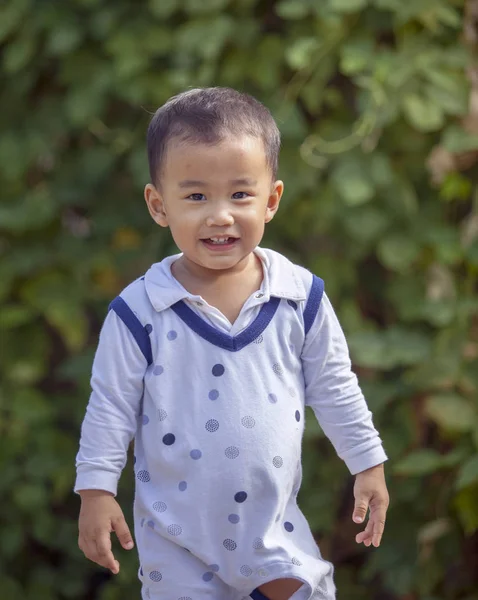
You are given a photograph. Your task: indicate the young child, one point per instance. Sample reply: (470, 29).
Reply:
(208, 362)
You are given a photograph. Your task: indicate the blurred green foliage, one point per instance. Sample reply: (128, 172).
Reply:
(379, 159)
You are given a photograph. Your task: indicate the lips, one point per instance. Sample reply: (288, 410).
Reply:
(219, 242)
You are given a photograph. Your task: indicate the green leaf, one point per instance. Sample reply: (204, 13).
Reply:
(347, 6)
(14, 315)
(455, 139)
(29, 213)
(356, 55)
(419, 463)
(451, 412)
(352, 183)
(398, 251)
(292, 9)
(423, 113)
(194, 7)
(57, 299)
(17, 54)
(466, 503)
(388, 349)
(468, 473)
(300, 53)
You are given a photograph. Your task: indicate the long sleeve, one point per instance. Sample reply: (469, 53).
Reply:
(111, 416)
(333, 392)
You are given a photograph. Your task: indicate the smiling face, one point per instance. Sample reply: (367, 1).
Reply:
(216, 199)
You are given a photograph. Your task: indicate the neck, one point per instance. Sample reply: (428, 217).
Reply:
(194, 272)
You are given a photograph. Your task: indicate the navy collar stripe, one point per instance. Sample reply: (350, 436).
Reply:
(313, 302)
(132, 322)
(223, 340)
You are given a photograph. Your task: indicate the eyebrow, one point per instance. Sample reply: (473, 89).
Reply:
(191, 183)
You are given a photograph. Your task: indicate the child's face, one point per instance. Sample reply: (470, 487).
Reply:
(215, 199)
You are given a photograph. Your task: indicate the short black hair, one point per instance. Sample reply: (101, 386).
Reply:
(207, 115)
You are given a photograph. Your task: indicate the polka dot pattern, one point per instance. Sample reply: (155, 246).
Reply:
(258, 543)
(212, 425)
(160, 506)
(297, 416)
(171, 335)
(213, 568)
(195, 454)
(288, 526)
(144, 476)
(175, 530)
(148, 328)
(240, 497)
(293, 304)
(277, 462)
(155, 576)
(248, 422)
(218, 370)
(246, 570)
(213, 395)
(144, 419)
(231, 452)
(182, 486)
(296, 561)
(272, 398)
(234, 519)
(162, 414)
(185, 598)
(292, 392)
(208, 576)
(150, 524)
(229, 544)
(259, 339)
(158, 370)
(169, 439)
(277, 369)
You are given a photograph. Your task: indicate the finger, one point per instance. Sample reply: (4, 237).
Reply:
(121, 529)
(104, 554)
(365, 535)
(360, 509)
(378, 527)
(90, 550)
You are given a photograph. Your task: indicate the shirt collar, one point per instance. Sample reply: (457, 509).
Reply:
(280, 280)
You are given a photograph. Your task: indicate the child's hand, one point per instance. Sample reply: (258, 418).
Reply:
(100, 514)
(370, 491)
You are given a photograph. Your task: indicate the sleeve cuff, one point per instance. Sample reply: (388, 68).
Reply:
(370, 457)
(96, 480)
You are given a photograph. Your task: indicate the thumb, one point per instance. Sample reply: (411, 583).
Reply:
(360, 510)
(123, 533)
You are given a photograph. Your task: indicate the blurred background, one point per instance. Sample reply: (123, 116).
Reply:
(377, 101)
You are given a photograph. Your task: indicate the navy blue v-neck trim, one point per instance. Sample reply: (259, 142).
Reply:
(223, 340)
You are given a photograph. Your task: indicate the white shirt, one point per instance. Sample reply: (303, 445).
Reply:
(218, 419)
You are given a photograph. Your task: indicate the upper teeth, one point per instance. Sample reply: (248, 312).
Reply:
(219, 240)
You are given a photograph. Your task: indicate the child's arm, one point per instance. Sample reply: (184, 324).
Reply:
(333, 392)
(108, 428)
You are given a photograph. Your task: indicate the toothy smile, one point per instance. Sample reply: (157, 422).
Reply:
(221, 240)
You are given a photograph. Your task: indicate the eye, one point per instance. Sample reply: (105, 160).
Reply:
(240, 195)
(197, 197)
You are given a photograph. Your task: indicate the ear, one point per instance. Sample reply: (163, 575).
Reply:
(155, 202)
(274, 200)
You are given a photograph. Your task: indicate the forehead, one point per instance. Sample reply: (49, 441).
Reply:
(231, 158)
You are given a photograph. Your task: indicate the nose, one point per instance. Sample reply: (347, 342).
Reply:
(220, 216)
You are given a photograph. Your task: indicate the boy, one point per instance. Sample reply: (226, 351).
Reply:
(208, 362)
